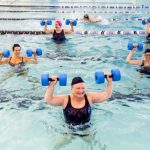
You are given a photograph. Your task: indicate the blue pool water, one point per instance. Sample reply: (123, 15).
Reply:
(27, 122)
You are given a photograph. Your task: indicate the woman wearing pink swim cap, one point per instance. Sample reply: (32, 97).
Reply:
(58, 32)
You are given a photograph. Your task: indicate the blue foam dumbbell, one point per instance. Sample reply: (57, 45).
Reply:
(46, 79)
(29, 52)
(131, 46)
(74, 23)
(6, 53)
(39, 51)
(100, 76)
(42, 22)
(145, 21)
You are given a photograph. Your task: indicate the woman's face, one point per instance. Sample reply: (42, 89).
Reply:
(16, 51)
(78, 90)
(57, 26)
(147, 56)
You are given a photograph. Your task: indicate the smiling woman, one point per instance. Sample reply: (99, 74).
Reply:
(77, 105)
(113, 124)
(16, 61)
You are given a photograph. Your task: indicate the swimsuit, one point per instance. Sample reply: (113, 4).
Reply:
(17, 67)
(144, 69)
(59, 36)
(77, 116)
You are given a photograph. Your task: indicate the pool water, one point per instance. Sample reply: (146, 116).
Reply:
(27, 122)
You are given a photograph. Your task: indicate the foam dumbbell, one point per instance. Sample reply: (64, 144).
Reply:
(131, 46)
(46, 79)
(145, 21)
(6, 53)
(74, 22)
(100, 76)
(29, 52)
(42, 22)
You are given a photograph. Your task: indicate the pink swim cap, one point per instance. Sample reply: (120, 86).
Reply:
(59, 22)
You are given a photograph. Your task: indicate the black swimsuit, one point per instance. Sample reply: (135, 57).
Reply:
(17, 67)
(77, 116)
(59, 37)
(19, 64)
(144, 69)
(148, 37)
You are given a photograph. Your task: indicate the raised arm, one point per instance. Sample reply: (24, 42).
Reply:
(46, 30)
(148, 29)
(71, 29)
(31, 60)
(49, 95)
(102, 96)
(133, 62)
(3, 61)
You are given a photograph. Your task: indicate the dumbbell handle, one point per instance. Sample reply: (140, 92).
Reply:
(135, 46)
(50, 79)
(110, 76)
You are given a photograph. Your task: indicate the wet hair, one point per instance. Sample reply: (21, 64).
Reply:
(76, 80)
(86, 16)
(15, 45)
(147, 51)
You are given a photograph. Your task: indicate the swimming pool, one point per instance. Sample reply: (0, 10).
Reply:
(27, 122)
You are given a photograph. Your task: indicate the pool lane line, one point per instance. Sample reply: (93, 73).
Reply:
(73, 11)
(105, 33)
(130, 6)
(78, 19)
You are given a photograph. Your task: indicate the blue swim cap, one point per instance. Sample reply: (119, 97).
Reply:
(147, 51)
(77, 80)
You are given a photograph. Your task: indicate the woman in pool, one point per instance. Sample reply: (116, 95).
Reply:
(145, 63)
(77, 105)
(58, 32)
(16, 61)
(77, 108)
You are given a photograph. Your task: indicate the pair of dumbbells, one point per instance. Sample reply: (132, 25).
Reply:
(99, 77)
(29, 52)
(139, 46)
(49, 22)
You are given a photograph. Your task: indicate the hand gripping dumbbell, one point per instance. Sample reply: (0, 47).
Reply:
(6, 53)
(131, 46)
(74, 22)
(29, 52)
(145, 21)
(46, 79)
(42, 22)
(100, 76)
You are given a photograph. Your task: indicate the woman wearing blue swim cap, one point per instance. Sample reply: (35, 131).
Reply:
(77, 105)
